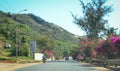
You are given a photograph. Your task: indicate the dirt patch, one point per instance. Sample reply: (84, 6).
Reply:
(13, 66)
(7, 61)
(102, 69)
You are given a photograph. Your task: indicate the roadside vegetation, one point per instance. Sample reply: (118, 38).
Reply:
(100, 41)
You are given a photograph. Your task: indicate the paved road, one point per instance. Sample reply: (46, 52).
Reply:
(59, 66)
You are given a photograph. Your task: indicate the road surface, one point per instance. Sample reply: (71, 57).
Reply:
(60, 66)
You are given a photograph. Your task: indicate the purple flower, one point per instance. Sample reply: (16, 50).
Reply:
(115, 41)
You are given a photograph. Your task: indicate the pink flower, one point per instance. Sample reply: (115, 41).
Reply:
(112, 39)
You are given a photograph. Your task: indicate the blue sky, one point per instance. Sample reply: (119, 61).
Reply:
(58, 11)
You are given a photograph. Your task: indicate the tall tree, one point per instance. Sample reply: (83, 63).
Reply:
(92, 21)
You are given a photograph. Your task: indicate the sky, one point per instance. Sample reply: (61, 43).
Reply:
(59, 11)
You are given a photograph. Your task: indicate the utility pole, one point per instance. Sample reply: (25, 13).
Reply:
(17, 43)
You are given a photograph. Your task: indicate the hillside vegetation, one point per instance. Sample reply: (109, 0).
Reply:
(18, 30)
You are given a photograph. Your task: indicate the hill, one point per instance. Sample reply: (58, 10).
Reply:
(45, 28)
(20, 29)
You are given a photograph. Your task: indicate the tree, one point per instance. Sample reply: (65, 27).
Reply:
(92, 21)
(86, 46)
(111, 31)
(44, 43)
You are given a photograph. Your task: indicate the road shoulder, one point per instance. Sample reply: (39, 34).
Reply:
(13, 66)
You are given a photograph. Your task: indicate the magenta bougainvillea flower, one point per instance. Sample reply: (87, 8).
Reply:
(109, 46)
(115, 41)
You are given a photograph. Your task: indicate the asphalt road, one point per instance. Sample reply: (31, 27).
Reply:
(60, 66)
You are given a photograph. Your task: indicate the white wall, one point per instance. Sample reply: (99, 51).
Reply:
(38, 56)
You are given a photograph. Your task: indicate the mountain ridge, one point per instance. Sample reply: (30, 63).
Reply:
(49, 27)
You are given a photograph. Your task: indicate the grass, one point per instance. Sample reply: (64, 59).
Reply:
(16, 59)
(6, 57)
(3, 58)
(24, 58)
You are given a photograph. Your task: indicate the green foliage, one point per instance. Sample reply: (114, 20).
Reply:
(111, 31)
(45, 43)
(92, 21)
(24, 50)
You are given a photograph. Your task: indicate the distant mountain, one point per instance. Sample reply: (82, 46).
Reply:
(27, 27)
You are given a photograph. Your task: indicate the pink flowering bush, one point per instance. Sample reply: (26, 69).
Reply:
(104, 49)
(109, 48)
(93, 53)
(86, 47)
(115, 41)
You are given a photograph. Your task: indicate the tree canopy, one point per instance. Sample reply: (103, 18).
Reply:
(93, 22)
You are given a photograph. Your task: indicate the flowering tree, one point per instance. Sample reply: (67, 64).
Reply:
(87, 47)
(105, 50)
(93, 53)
